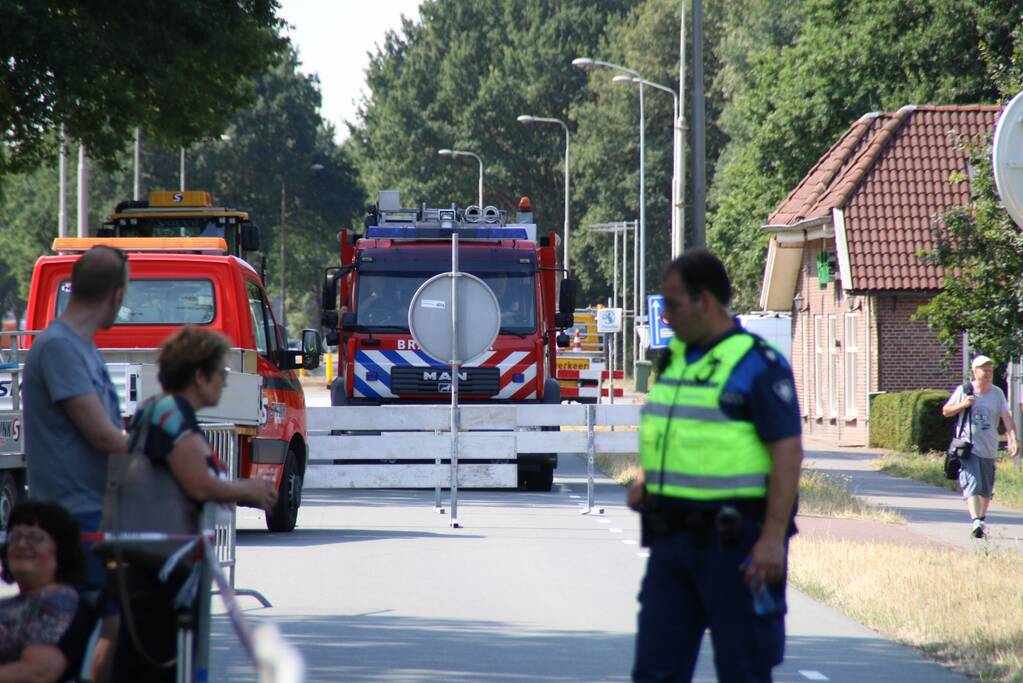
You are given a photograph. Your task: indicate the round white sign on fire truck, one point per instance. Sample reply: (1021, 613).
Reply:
(478, 317)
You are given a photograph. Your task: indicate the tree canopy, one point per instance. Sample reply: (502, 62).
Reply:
(459, 79)
(280, 141)
(178, 70)
(783, 78)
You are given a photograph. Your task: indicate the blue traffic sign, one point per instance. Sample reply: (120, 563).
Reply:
(660, 333)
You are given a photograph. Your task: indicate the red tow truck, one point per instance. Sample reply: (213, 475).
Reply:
(366, 301)
(202, 281)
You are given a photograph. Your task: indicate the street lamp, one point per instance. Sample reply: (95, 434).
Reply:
(540, 119)
(462, 153)
(587, 63)
(678, 213)
(284, 323)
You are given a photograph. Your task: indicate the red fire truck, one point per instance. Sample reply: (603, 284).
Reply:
(366, 302)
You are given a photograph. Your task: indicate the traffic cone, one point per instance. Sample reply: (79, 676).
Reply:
(576, 342)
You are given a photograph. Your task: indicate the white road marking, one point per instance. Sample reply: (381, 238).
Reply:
(604, 521)
(615, 531)
(814, 675)
(643, 553)
(629, 541)
(574, 496)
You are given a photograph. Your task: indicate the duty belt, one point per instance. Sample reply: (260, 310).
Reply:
(724, 519)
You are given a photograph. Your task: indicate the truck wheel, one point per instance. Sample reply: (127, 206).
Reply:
(289, 497)
(9, 497)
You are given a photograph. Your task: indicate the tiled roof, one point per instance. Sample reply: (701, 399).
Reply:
(889, 173)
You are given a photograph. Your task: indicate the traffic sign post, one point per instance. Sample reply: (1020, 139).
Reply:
(609, 320)
(433, 319)
(660, 333)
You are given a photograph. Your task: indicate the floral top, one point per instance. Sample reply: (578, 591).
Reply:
(37, 619)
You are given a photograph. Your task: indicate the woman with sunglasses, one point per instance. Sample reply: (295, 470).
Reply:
(193, 376)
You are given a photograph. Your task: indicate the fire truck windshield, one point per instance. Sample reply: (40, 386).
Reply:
(384, 299)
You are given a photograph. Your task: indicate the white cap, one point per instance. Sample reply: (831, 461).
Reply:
(981, 360)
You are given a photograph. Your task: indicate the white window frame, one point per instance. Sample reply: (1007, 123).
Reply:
(851, 367)
(832, 366)
(818, 367)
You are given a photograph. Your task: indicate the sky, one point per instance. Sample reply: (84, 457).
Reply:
(333, 38)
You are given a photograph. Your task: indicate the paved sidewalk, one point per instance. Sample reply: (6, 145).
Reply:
(933, 515)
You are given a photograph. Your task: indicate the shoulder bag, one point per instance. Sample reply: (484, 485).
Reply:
(143, 496)
(959, 448)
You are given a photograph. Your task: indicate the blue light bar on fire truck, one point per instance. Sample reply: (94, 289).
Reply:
(429, 233)
(390, 220)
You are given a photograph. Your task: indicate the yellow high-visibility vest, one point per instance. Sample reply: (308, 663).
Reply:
(689, 447)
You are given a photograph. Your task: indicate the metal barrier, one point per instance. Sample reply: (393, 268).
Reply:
(276, 660)
(409, 443)
(223, 438)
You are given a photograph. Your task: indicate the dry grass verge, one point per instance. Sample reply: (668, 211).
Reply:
(927, 467)
(819, 492)
(622, 467)
(828, 496)
(964, 609)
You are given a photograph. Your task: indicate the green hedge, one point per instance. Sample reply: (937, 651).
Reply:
(910, 421)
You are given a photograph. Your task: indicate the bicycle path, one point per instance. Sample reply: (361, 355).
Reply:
(932, 514)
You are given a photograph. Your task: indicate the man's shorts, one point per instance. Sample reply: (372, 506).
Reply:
(977, 476)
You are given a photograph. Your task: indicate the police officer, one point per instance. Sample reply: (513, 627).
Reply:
(720, 449)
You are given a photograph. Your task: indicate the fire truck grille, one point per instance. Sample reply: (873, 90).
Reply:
(424, 380)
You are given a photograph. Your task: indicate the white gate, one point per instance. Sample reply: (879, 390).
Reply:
(410, 444)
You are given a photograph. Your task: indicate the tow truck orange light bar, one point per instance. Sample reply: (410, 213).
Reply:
(206, 245)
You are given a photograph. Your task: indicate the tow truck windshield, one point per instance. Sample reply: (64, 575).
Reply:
(158, 302)
(177, 226)
(383, 299)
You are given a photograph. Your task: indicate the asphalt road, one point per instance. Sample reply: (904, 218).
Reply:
(375, 586)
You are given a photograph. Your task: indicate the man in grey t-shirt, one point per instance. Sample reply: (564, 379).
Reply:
(72, 418)
(987, 405)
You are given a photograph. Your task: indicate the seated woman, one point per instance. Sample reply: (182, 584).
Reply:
(193, 376)
(43, 555)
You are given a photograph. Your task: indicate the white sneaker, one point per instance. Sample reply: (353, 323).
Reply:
(978, 529)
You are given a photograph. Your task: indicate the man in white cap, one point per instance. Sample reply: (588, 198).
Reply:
(985, 403)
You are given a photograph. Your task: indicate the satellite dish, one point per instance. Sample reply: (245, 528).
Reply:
(1007, 158)
(478, 317)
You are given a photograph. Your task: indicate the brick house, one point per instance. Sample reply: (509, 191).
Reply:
(843, 258)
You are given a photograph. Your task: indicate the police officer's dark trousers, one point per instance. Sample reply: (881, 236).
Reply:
(693, 582)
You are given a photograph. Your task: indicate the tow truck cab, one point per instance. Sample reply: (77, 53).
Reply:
(178, 281)
(182, 214)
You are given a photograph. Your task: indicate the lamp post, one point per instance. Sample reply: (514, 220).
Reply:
(587, 63)
(678, 212)
(283, 320)
(463, 153)
(541, 119)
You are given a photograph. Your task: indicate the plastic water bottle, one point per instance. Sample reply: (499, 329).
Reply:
(764, 603)
(763, 600)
